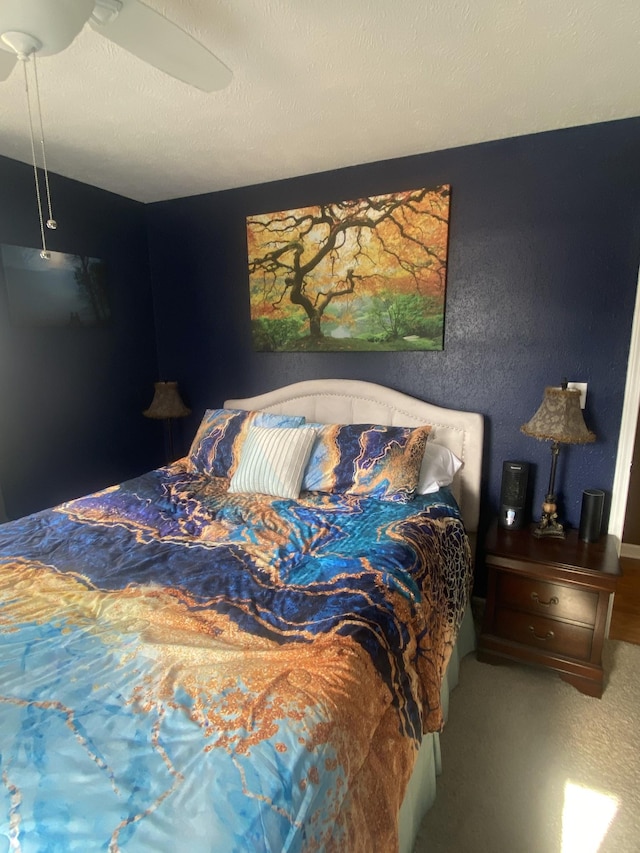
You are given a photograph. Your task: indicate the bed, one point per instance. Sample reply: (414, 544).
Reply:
(212, 658)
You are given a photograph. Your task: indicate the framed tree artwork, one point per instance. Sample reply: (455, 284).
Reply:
(61, 290)
(368, 274)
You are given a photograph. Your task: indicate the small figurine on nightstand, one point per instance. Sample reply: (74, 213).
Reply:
(558, 420)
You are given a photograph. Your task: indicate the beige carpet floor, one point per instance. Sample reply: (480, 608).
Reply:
(530, 765)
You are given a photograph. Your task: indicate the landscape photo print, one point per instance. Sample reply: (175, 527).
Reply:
(57, 290)
(368, 274)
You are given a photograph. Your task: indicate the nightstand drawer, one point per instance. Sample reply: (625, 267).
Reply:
(547, 599)
(544, 634)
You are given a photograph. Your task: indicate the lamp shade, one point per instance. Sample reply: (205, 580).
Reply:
(167, 402)
(559, 418)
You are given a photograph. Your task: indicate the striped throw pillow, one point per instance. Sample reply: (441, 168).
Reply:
(272, 461)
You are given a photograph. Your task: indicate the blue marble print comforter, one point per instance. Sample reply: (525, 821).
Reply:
(186, 669)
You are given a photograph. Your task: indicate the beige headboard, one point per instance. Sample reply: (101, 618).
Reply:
(354, 401)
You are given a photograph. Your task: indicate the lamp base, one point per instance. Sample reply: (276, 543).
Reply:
(549, 526)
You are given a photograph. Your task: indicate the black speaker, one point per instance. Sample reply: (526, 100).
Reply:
(513, 495)
(591, 515)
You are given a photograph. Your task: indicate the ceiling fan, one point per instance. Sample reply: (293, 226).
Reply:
(32, 28)
(45, 27)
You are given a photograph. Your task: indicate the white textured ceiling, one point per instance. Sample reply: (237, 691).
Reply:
(321, 84)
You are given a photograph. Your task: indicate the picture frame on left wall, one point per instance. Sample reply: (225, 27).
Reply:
(63, 290)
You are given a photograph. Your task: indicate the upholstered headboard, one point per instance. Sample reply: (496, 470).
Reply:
(354, 401)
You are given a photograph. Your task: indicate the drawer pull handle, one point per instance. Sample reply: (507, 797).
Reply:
(548, 636)
(553, 600)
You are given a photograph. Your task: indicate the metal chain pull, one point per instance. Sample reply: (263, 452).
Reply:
(26, 46)
(44, 253)
(51, 222)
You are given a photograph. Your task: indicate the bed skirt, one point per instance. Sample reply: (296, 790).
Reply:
(421, 791)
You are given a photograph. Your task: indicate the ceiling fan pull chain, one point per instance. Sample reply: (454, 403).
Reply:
(51, 222)
(44, 253)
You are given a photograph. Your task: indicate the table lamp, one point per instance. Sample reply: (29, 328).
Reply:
(558, 420)
(166, 405)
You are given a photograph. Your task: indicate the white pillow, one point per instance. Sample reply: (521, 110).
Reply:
(439, 466)
(272, 461)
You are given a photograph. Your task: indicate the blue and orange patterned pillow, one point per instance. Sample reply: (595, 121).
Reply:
(366, 459)
(216, 447)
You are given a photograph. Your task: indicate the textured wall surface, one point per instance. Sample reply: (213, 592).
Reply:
(543, 264)
(71, 398)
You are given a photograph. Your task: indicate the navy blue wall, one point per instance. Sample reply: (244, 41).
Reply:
(71, 398)
(543, 264)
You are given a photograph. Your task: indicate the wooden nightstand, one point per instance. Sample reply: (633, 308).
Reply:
(548, 603)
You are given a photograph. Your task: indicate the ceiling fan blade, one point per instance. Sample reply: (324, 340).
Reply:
(151, 37)
(7, 62)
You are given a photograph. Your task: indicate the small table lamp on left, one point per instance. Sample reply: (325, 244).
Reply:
(166, 405)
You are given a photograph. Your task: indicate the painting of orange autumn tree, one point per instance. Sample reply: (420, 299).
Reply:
(351, 275)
